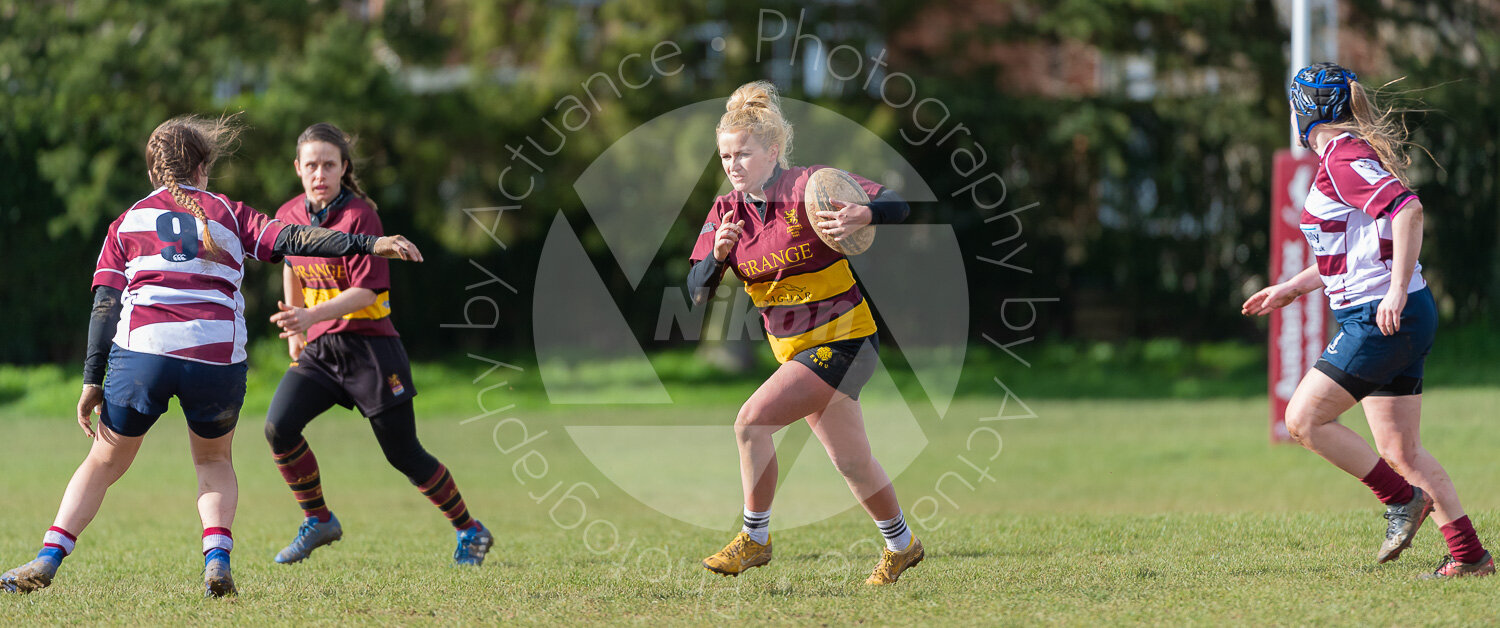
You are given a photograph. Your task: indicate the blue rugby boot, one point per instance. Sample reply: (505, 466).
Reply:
(312, 535)
(32, 576)
(217, 581)
(473, 544)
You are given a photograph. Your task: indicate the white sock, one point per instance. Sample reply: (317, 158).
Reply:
(896, 534)
(758, 525)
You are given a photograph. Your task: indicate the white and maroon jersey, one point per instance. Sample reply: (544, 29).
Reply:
(1347, 221)
(177, 302)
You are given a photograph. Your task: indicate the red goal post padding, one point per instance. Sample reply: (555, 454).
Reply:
(1299, 330)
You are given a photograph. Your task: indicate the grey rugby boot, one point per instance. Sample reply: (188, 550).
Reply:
(32, 576)
(1404, 520)
(310, 536)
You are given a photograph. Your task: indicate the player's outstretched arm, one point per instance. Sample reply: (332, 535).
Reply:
(397, 247)
(1282, 294)
(319, 242)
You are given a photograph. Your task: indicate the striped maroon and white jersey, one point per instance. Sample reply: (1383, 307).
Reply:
(177, 302)
(1347, 221)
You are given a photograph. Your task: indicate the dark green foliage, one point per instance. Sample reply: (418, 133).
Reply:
(1150, 216)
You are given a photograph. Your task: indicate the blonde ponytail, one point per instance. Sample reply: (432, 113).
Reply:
(756, 107)
(1383, 127)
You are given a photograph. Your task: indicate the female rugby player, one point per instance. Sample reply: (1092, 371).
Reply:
(816, 319)
(1365, 227)
(167, 292)
(345, 351)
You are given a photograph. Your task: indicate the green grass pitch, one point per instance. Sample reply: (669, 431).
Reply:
(1155, 512)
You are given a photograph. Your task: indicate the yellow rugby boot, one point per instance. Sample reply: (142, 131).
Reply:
(892, 564)
(742, 553)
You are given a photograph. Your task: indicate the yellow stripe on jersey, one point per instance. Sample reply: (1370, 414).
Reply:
(381, 308)
(856, 323)
(832, 281)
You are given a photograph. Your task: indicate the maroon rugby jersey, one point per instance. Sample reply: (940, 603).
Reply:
(805, 290)
(1347, 221)
(178, 301)
(324, 278)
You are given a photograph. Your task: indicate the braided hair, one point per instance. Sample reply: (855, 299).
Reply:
(325, 132)
(180, 150)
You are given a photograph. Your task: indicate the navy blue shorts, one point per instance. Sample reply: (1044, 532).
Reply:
(138, 386)
(1366, 362)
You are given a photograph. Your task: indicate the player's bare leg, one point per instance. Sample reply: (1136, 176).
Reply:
(107, 460)
(218, 497)
(841, 429)
(1395, 423)
(218, 488)
(1311, 418)
(791, 393)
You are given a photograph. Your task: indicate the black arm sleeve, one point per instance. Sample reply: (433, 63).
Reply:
(320, 242)
(703, 278)
(1396, 202)
(102, 321)
(888, 208)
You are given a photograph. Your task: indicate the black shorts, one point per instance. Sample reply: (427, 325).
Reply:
(846, 365)
(371, 373)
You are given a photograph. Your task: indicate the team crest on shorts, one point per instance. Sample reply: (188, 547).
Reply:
(395, 382)
(708, 227)
(822, 356)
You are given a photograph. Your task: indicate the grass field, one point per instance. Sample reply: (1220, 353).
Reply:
(1109, 511)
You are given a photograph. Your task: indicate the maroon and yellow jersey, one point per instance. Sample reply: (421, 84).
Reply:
(805, 291)
(324, 278)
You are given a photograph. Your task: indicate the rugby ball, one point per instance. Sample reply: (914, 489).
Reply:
(827, 185)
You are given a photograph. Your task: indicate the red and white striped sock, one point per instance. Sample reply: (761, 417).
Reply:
(57, 543)
(217, 539)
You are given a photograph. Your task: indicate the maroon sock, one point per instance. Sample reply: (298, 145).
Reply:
(1463, 541)
(1387, 485)
(299, 467)
(443, 492)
